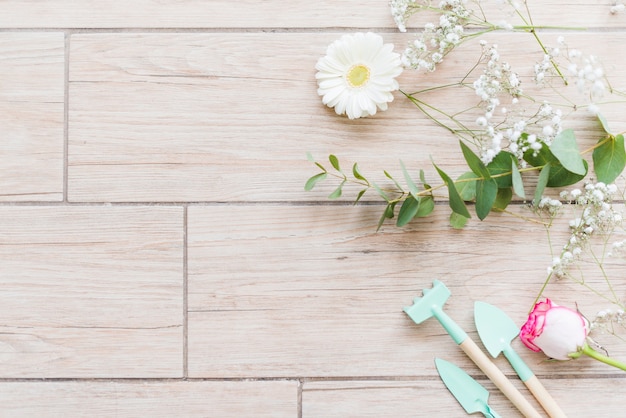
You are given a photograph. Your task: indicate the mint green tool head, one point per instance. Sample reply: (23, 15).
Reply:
(496, 330)
(422, 308)
(431, 305)
(472, 396)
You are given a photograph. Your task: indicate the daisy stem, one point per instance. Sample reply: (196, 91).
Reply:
(588, 351)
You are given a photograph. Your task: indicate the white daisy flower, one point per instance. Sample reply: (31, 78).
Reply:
(357, 75)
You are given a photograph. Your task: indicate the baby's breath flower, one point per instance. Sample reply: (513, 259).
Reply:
(436, 40)
(617, 7)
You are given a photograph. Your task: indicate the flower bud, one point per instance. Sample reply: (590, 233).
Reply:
(556, 330)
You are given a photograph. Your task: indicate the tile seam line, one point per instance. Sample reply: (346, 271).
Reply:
(269, 29)
(66, 118)
(185, 260)
(297, 379)
(221, 203)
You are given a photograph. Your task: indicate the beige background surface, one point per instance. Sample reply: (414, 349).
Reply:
(159, 256)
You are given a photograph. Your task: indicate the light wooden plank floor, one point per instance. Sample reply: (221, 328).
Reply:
(159, 256)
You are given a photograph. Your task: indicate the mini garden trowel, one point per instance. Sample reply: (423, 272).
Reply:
(431, 305)
(470, 394)
(497, 330)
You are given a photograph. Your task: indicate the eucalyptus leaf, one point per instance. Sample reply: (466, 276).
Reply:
(409, 181)
(380, 192)
(387, 214)
(357, 173)
(500, 168)
(334, 162)
(390, 177)
(474, 162)
(559, 175)
(359, 196)
(604, 123)
(456, 203)
(408, 210)
(427, 205)
(336, 194)
(518, 184)
(503, 198)
(486, 191)
(541, 183)
(423, 180)
(457, 221)
(466, 185)
(565, 149)
(609, 159)
(310, 183)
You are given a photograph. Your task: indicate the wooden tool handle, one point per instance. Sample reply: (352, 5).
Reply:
(541, 394)
(498, 378)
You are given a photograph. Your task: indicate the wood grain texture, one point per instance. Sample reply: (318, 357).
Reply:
(159, 256)
(149, 398)
(329, 303)
(90, 291)
(229, 117)
(32, 91)
(429, 398)
(262, 14)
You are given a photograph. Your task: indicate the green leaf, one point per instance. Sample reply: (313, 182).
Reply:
(309, 157)
(559, 175)
(518, 184)
(500, 168)
(486, 191)
(503, 198)
(541, 183)
(380, 192)
(390, 177)
(310, 183)
(359, 196)
(565, 149)
(408, 210)
(604, 123)
(456, 203)
(409, 181)
(474, 162)
(427, 205)
(357, 173)
(334, 162)
(609, 159)
(457, 221)
(336, 194)
(467, 188)
(321, 167)
(423, 180)
(387, 214)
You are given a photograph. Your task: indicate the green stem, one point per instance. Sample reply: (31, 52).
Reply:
(587, 350)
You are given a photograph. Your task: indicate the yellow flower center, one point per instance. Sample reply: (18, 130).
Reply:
(358, 75)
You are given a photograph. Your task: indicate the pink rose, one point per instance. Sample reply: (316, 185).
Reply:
(556, 330)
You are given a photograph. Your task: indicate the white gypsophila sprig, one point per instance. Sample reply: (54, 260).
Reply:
(497, 80)
(617, 7)
(509, 129)
(610, 321)
(401, 11)
(584, 71)
(598, 216)
(437, 39)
